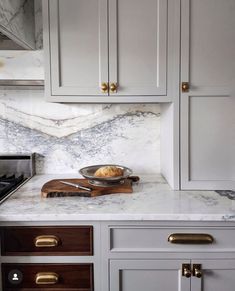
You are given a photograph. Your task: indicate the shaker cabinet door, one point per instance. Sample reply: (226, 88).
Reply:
(217, 275)
(78, 46)
(138, 47)
(147, 275)
(208, 106)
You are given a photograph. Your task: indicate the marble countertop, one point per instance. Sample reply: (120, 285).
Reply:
(152, 199)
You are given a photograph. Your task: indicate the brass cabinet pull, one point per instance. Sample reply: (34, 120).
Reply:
(45, 241)
(104, 87)
(197, 270)
(185, 86)
(186, 270)
(46, 278)
(113, 87)
(190, 238)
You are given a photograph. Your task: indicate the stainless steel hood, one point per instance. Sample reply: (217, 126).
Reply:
(17, 24)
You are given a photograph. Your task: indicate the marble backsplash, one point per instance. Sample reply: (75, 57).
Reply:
(67, 137)
(17, 20)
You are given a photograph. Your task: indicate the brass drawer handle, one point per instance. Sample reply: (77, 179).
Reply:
(46, 278)
(190, 238)
(46, 241)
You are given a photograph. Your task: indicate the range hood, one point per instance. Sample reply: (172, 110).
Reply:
(17, 24)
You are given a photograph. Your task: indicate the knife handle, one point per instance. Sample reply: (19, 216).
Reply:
(134, 178)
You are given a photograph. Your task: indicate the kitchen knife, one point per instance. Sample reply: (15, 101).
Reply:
(76, 185)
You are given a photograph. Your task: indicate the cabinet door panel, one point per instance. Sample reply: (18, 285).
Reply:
(138, 46)
(149, 275)
(207, 119)
(78, 41)
(217, 275)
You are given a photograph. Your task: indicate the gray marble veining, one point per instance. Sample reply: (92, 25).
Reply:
(227, 193)
(67, 137)
(152, 199)
(38, 24)
(17, 19)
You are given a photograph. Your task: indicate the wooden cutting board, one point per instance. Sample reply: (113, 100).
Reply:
(55, 188)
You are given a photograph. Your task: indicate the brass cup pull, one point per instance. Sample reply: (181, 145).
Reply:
(46, 278)
(113, 87)
(197, 271)
(104, 87)
(190, 238)
(186, 271)
(46, 241)
(185, 87)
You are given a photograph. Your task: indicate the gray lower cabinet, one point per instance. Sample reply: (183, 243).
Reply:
(148, 275)
(217, 275)
(110, 50)
(208, 105)
(151, 257)
(154, 275)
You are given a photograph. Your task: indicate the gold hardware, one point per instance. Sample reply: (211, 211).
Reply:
(197, 270)
(113, 87)
(46, 278)
(45, 241)
(185, 86)
(186, 271)
(190, 238)
(104, 87)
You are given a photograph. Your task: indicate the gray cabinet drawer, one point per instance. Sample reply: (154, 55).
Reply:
(155, 239)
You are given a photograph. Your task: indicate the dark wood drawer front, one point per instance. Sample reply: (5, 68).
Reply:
(37, 276)
(47, 241)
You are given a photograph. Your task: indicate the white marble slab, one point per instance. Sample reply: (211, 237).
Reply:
(38, 24)
(21, 65)
(152, 200)
(67, 137)
(17, 20)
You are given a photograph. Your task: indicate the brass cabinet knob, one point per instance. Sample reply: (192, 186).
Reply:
(45, 241)
(186, 270)
(197, 271)
(104, 87)
(46, 278)
(113, 87)
(185, 87)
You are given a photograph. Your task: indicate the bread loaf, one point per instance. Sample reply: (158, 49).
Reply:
(108, 171)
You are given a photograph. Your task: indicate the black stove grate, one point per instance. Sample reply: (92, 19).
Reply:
(9, 183)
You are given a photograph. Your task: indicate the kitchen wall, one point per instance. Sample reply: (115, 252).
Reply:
(67, 137)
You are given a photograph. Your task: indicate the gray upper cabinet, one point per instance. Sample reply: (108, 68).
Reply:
(110, 50)
(208, 106)
(77, 46)
(138, 46)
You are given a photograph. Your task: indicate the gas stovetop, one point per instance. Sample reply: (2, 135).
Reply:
(9, 183)
(15, 170)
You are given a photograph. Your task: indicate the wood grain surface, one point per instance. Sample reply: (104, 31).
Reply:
(73, 240)
(71, 276)
(55, 188)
